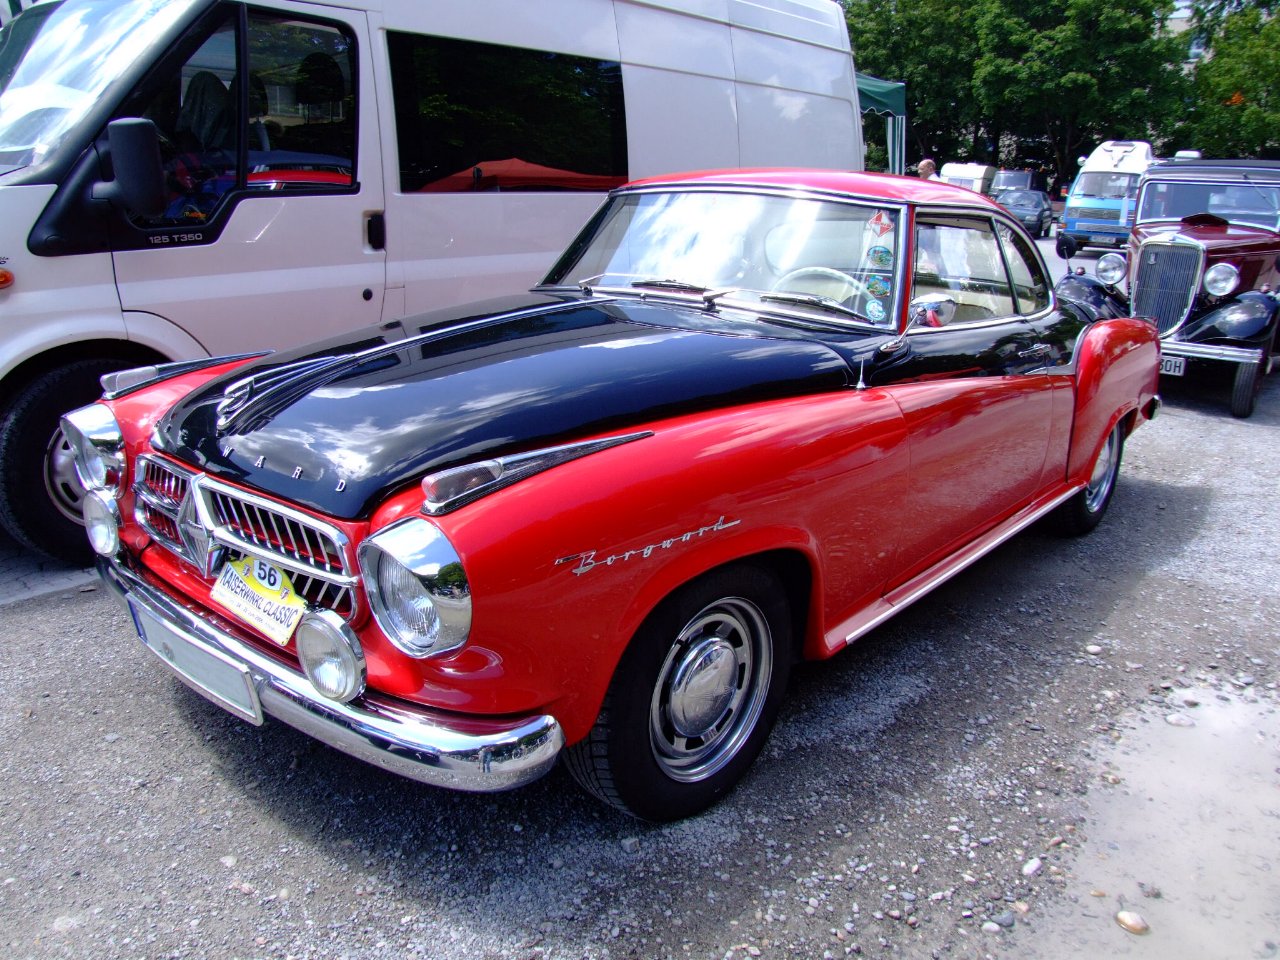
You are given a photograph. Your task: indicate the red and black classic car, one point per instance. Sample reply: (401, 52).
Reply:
(1203, 262)
(747, 417)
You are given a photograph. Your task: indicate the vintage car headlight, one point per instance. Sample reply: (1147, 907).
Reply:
(98, 446)
(331, 655)
(1111, 268)
(102, 522)
(1221, 279)
(418, 590)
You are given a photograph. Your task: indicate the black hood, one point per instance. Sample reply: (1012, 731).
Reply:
(332, 428)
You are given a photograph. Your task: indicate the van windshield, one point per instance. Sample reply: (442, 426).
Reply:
(1106, 185)
(57, 61)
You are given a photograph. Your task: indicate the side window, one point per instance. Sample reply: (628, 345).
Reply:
(293, 127)
(475, 116)
(960, 259)
(1030, 287)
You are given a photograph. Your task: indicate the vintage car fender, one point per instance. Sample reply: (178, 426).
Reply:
(1099, 301)
(1250, 318)
(565, 566)
(1117, 373)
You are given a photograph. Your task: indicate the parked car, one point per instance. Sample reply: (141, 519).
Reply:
(1203, 261)
(1032, 208)
(746, 418)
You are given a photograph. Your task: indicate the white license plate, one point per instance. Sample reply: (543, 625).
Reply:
(206, 670)
(1102, 238)
(260, 594)
(1173, 366)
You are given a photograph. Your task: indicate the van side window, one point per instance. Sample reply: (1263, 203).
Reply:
(293, 129)
(475, 116)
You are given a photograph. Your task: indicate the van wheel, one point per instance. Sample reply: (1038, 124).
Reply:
(1245, 389)
(693, 698)
(1084, 511)
(40, 497)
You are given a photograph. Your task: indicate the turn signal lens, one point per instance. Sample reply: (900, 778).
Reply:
(6, 279)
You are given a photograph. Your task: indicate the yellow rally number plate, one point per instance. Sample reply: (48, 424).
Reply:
(260, 594)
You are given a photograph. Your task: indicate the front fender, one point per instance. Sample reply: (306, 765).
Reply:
(1118, 370)
(1249, 320)
(1097, 300)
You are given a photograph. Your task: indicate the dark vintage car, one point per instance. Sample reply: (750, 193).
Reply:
(1032, 208)
(746, 418)
(1203, 261)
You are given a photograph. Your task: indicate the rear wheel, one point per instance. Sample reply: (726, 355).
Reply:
(693, 698)
(40, 497)
(1085, 510)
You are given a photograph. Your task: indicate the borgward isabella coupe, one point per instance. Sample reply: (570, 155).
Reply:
(747, 417)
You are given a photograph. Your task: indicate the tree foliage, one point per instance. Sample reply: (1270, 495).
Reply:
(1236, 110)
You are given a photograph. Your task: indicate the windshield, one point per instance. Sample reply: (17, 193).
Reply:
(1004, 181)
(57, 60)
(786, 250)
(1106, 185)
(1239, 202)
(1018, 198)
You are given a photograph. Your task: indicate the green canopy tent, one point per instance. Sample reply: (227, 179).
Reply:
(888, 99)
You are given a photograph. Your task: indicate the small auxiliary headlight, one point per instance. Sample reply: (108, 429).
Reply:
(418, 590)
(1221, 279)
(331, 655)
(102, 522)
(1111, 268)
(98, 445)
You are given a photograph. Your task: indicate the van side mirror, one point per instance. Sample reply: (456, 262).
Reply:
(139, 175)
(1067, 246)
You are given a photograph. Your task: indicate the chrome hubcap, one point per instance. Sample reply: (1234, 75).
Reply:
(60, 480)
(710, 689)
(1099, 486)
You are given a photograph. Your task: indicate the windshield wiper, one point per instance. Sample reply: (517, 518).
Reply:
(682, 285)
(816, 300)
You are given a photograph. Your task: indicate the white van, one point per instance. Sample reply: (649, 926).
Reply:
(973, 176)
(325, 166)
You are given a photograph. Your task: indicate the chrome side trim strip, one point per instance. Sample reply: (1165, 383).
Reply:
(911, 591)
(429, 746)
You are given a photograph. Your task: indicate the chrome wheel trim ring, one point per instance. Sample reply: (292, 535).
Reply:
(710, 689)
(1103, 477)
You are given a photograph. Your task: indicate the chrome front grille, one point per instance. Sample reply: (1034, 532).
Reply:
(1165, 280)
(208, 523)
(1093, 213)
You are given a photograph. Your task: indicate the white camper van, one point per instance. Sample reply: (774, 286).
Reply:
(327, 165)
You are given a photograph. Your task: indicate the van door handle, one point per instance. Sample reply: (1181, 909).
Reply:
(377, 230)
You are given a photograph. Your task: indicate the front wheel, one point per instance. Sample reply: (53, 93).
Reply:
(1085, 509)
(40, 497)
(693, 698)
(1245, 389)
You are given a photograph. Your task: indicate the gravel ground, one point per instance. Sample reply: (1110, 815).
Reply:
(994, 773)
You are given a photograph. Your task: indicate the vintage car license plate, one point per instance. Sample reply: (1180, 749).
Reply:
(260, 594)
(209, 671)
(1173, 366)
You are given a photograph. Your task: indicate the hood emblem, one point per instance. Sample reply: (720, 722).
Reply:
(234, 399)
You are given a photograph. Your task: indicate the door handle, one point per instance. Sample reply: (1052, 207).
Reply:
(1036, 350)
(377, 231)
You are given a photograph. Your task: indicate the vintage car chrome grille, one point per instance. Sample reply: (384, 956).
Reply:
(1165, 280)
(207, 523)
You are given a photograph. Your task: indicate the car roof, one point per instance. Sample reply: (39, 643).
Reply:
(1191, 169)
(875, 186)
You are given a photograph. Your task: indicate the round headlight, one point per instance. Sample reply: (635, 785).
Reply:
(418, 591)
(98, 446)
(330, 655)
(1110, 268)
(102, 522)
(1221, 279)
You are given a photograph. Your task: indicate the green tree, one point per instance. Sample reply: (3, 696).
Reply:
(1236, 109)
(1070, 73)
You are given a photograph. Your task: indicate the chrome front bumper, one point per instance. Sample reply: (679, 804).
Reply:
(446, 750)
(1204, 351)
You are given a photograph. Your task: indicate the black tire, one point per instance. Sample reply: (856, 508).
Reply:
(724, 642)
(1085, 510)
(1245, 389)
(39, 495)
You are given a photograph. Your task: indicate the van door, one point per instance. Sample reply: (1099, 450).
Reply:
(274, 231)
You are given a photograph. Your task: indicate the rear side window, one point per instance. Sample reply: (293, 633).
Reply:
(475, 116)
